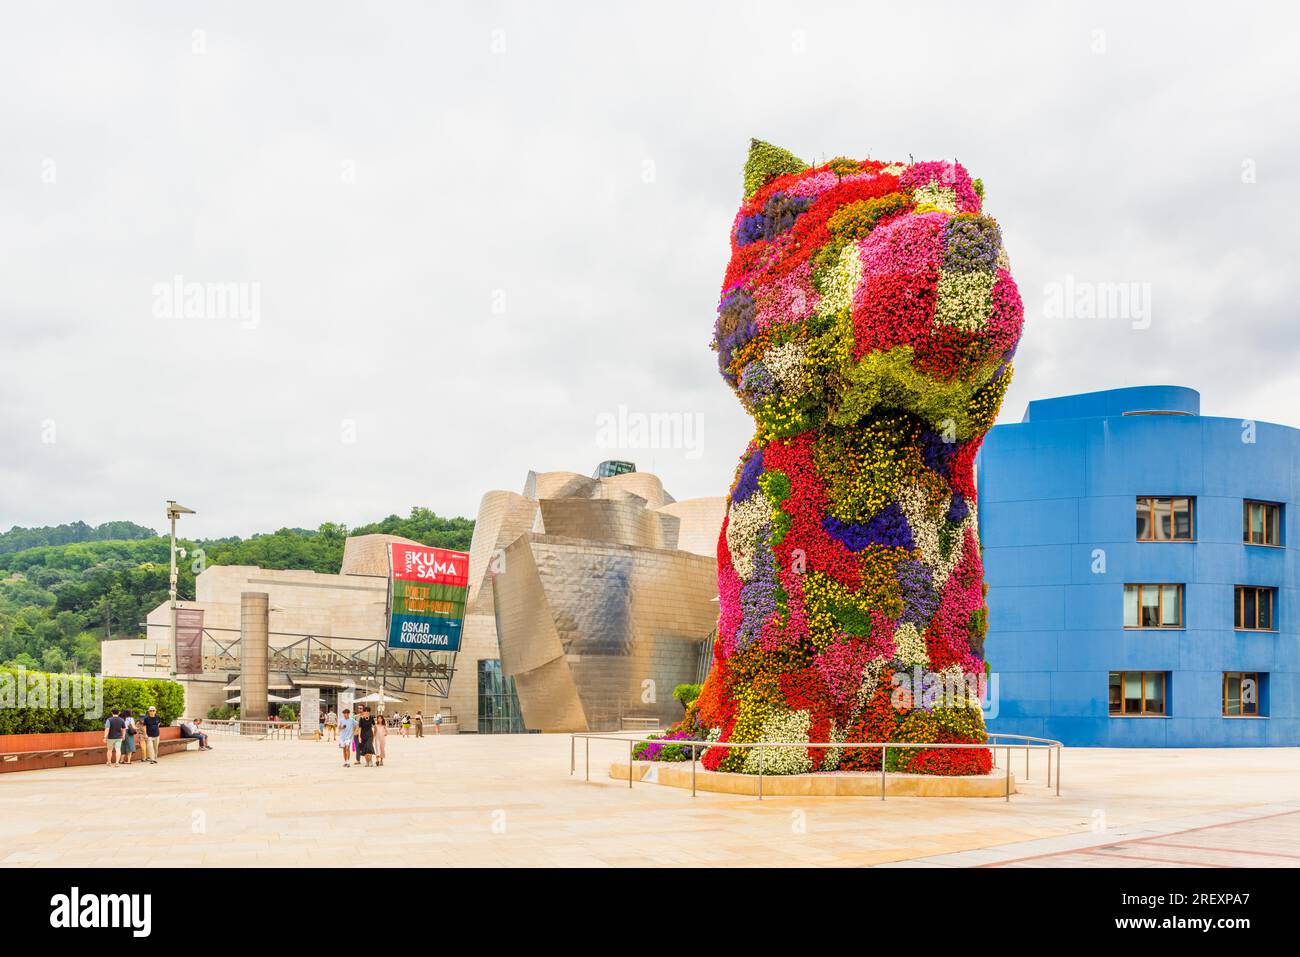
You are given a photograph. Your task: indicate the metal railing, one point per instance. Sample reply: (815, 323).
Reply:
(995, 743)
(273, 730)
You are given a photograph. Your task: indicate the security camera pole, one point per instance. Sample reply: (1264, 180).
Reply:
(174, 512)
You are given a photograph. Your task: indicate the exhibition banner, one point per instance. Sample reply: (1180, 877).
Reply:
(427, 593)
(435, 566)
(189, 641)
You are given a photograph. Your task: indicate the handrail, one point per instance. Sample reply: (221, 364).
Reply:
(276, 730)
(996, 741)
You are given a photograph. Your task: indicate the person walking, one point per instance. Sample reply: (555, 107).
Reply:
(366, 731)
(381, 740)
(419, 724)
(128, 736)
(113, 729)
(345, 728)
(152, 732)
(437, 722)
(332, 724)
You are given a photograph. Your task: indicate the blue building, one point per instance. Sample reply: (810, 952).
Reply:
(1142, 591)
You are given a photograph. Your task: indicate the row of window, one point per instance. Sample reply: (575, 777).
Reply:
(1143, 693)
(1173, 519)
(1161, 606)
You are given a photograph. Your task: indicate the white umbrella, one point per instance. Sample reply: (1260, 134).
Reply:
(270, 699)
(377, 697)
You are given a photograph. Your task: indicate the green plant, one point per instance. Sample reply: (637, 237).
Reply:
(686, 694)
(33, 702)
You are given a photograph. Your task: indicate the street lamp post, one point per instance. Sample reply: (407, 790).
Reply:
(174, 511)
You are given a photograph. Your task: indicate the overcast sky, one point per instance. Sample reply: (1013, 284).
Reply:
(465, 232)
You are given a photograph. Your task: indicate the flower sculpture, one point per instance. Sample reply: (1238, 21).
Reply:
(867, 322)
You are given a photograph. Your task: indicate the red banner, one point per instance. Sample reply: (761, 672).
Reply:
(189, 641)
(431, 566)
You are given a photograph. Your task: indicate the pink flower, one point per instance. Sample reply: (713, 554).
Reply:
(944, 175)
(908, 244)
(790, 299)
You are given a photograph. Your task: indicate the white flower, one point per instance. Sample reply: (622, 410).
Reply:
(841, 283)
(926, 525)
(790, 726)
(743, 530)
(942, 197)
(870, 680)
(909, 646)
(964, 300)
(785, 362)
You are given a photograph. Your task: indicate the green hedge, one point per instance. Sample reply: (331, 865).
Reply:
(134, 693)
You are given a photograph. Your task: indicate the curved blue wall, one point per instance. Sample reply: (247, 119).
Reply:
(1058, 491)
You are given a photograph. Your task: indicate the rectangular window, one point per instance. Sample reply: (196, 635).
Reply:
(1254, 608)
(1261, 523)
(1165, 519)
(1137, 692)
(1153, 606)
(1241, 693)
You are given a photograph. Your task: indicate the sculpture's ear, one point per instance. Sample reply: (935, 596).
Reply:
(765, 163)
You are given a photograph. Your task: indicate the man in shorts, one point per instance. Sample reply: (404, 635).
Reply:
(114, 730)
(332, 724)
(347, 727)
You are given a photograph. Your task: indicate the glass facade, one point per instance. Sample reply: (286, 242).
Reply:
(612, 467)
(498, 705)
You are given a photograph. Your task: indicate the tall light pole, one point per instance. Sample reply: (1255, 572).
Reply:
(174, 511)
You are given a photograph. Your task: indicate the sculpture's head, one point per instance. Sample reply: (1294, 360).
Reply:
(858, 285)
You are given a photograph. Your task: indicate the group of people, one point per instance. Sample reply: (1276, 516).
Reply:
(365, 736)
(122, 733)
(402, 723)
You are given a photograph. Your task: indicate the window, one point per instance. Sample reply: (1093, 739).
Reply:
(1137, 692)
(1164, 519)
(1261, 523)
(498, 705)
(1153, 606)
(1241, 693)
(1254, 608)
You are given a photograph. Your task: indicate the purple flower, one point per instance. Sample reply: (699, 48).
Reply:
(758, 595)
(920, 600)
(747, 484)
(756, 381)
(936, 450)
(887, 527)
(971, 244)
(750, 230)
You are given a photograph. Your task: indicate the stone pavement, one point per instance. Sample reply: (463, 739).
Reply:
(509, 800)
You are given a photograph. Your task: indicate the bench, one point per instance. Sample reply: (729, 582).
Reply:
(83, 753)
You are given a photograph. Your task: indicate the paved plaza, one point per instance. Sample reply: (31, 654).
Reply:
(509, 800)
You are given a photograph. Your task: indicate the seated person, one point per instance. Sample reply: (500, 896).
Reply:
(192, 730)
